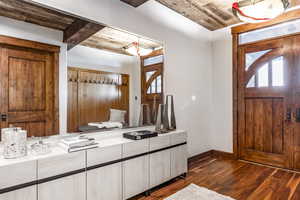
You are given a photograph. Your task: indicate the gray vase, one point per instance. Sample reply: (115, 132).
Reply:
(169, 120)
(158, 125)
(173, 119)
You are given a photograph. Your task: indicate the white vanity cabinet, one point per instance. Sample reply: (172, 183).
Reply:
(135, 170)
(64, 185)
(160, 161)
(104, 182)
(178, 154)
(135, 176)
(28, 193)
(66, 188)
(117, 170)
(160, 167)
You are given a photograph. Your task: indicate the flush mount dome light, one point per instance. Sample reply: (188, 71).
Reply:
(254, 11)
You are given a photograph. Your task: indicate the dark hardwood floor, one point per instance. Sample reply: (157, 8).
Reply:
(237, 179)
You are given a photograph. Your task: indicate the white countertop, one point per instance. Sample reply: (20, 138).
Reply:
(104, 139)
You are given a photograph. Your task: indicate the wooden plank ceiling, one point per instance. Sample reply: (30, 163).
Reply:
(115, 40)
(212, 14)
(75, 29)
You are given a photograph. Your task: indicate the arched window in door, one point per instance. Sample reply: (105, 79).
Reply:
(268, 74)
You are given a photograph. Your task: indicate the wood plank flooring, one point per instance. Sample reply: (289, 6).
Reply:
(237, 179)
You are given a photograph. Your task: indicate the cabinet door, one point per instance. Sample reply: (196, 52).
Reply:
(160, 169)
(105, 183)
(135, 176)
(28, 193)
(67, 188)
(178, 160)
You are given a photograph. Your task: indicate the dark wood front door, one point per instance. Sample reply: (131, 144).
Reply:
(265, 102)
(27, 93)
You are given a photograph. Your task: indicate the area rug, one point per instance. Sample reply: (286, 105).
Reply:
(195, 192)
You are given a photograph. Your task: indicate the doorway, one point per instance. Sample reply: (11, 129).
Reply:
(268, 102)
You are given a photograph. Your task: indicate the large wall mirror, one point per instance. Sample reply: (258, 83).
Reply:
(114, 77)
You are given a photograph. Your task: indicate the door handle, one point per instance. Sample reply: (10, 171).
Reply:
(298, 115)
(289, 115)
(3, 117)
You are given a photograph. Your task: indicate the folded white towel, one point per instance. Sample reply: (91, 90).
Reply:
(108, 124)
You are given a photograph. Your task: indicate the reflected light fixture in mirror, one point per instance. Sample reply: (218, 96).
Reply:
(136, 50)
(141, 52)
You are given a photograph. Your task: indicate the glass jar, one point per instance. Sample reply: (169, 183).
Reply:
(14, 142)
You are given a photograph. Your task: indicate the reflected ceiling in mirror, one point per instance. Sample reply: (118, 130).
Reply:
(122, 42)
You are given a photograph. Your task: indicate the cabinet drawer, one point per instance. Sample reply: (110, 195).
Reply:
(67, 188)
(159, 142)
(135, 148)
(102, 155)
(178, 138)
(56, 165)
(16, 174)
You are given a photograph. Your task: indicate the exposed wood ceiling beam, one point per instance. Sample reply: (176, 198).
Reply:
(28, 12)
(79, 31)
(135, 3)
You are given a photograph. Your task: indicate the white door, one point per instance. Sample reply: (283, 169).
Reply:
(67, 188)
(135, 176)
(105, 183)
(28, 193)
(160, 167)
(178, 160)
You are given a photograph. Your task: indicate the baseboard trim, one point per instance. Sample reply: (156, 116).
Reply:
(212, 154)
(223, 154)
(200, 156)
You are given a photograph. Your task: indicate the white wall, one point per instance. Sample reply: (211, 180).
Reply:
(188, 66)
(222, 90)
(33, 32)
(91, 58)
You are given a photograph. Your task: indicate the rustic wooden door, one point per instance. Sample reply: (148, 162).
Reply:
(296, 103)
(27, 90)
(265, 102)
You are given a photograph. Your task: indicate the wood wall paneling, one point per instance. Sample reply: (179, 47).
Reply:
(72, 122)
(91, 94)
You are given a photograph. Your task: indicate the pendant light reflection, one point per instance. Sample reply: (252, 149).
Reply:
(142, 51)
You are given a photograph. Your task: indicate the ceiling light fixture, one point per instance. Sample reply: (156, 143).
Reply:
(255, 11)
(135, 49)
